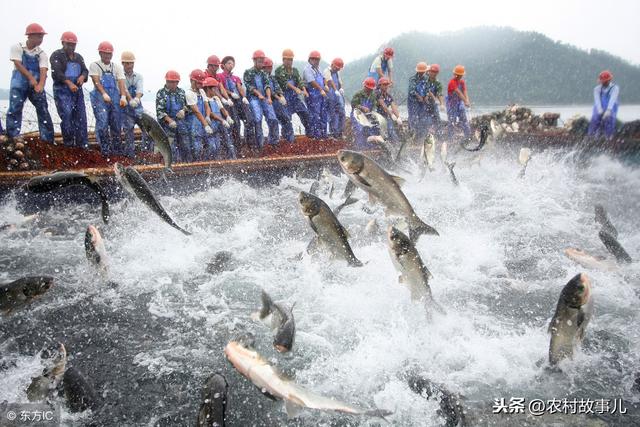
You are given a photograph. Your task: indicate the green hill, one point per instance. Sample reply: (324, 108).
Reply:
(504, 66)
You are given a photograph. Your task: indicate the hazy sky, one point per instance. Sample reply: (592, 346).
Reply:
(181, 34)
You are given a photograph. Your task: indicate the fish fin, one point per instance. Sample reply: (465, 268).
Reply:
(398, 180)
(183, 231)
(355, 262)
(267, 305)
(361, 180)
(420, 228)
(380, 413)
(331, 191)
(293, 410)
(350, 200)
(268, 395)
(314, 188)
(312, 247)
(105, 211)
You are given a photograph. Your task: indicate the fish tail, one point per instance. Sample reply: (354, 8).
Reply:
(106, 214)
(419, 228)
(267, 305)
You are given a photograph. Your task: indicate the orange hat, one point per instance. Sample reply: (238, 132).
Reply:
(213, 60)
(210, 82)
(34, 29)
(197, 75)
(69, 37)
(258, 54)
(267, 63)
(105, 47)
(383, 81)
(172, 76)
(369, 83)
(605, 76)
(458, 70)
(338, 63)
(314, 54)
(435, 68)
(422, 67)
(287, 54)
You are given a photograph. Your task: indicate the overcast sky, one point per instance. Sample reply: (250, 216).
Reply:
(181, 34)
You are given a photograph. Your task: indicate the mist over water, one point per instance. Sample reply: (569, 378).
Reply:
(148, 343)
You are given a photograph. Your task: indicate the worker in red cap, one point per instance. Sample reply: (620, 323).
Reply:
(108, 92)
(387, 107)
(219, 120)
(457, 100)
(213, 66)
(198, 111)
(27, 82)
(363, 104)
(317, 89)
(171, 109)
(241, 110)
(605, 106)
(280, 103)
(295, 92)
(382, 65)
(259, 92)
(417, 102)
(69, 73)
(335, 98)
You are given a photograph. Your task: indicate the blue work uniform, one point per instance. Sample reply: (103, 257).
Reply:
(361, 133)
(316, 103)
(174, 102)
(456, 112)
(605, 100)
(107, 114)
(197, 135)
(281, 111)
(261, 108)
(130, 114)
(20, 91)
(221, 135)
(335, 107)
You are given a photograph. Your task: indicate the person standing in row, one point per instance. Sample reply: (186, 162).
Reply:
(388, 109)
(134, 83)
(69, 73)
(365, 101)
(171, 107)
(259, 91)
(197, 113)
(218, 122)
(27, 82)
(605, 106)
(280, 103)
(457, 101)
(240, 112)
(335, 100)
(316, 87)
(293, 87)
(108, 82)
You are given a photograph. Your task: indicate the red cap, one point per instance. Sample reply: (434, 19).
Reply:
(69, 37)
(172, 76)
(383, 81)
(258, 54)
(197, 75)
(435, 68)
(388, 52)
(314, 54)
(369, 83)
(338, 63)
(267, 63)
(105, 47)
(213, 60)
(605, 76)
(34, 29)
(210, 82)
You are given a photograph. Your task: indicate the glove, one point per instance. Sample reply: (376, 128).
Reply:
(606, 114)
(173, 125)
(235, 95)
(180, 114)
(134, 102)
(226, 124)
(106, 97)
(123, 101)
(208, 119)
(282, 100)
(227, 102)
(337, 93)
(398, 120)
(208, 130)
(245, 100)
(230, 121)
(341, 91)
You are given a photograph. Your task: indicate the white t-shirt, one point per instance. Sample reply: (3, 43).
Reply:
(17, 49)
(327, 76)
(377, 63)
(95, 69)
(192, 97)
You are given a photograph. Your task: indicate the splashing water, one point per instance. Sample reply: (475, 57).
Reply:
(149, 342)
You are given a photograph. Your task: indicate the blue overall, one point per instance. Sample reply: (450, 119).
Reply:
(295, 105)
(316, 104)
(335, 108)
(283, 115)
(262, 108)
(392, 132)
(197, 134)
(418, 121)
(71, 109)
(239, 112)
(598, 122)
(129, 116)
(384, 64)
(180, 148)
(361, 133)
(20, 91)
(108, 115)
(457, 114)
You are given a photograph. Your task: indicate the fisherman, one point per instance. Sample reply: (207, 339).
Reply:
(382, 65)
(316, 86)
(291, 83)
(197, 111)
(605, 107)
(417, 101)
(69, 73)
(135, 90)
(434, 99)
(386, 106)
(170, 111)
(213, 65)
(240, 110)
(457, 100)
(108, 82)
(335, 99)
(27, 81)
(259, 90)
(365, 101)
(280, 106)
(217, 121)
